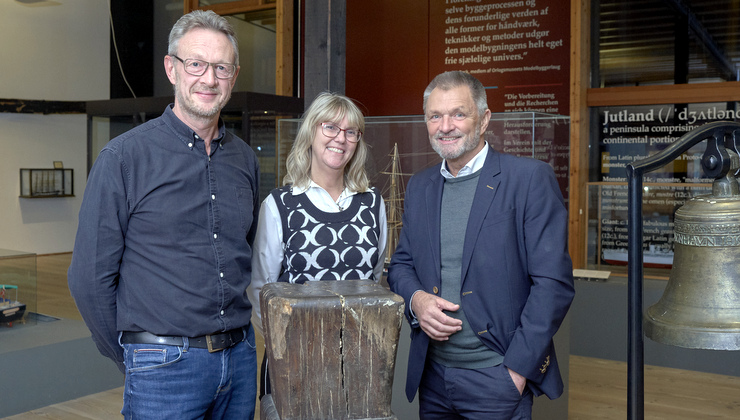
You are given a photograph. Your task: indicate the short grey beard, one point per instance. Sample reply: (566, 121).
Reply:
(467, 146)
(194, 112)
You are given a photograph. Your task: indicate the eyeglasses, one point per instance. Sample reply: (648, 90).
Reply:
(331, 130)
(199, 67)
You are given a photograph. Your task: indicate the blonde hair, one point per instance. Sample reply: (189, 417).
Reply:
(327, 107)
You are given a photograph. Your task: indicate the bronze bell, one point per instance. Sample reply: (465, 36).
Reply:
(700, 307)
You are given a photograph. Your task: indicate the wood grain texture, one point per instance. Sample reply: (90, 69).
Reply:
(331, 348)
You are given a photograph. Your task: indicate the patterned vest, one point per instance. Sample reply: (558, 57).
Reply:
(328, 246)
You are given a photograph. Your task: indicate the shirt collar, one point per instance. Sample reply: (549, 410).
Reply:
(299, 190)
(473, 165)
(186, 134)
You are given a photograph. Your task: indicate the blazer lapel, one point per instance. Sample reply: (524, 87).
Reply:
(484, 194)
(434, 203)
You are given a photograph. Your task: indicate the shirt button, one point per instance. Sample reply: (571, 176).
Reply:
(435, 290)
(190, 145)
(222, 312)
(213, 196)
(215, 235)
(222, 275)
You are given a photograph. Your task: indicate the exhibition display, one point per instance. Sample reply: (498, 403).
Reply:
(17, 288)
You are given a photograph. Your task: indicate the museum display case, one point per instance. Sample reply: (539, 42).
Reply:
(46, 183)
(532, 134)
(17, 288)
(399, 147)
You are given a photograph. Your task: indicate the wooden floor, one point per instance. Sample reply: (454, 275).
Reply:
(598, 388)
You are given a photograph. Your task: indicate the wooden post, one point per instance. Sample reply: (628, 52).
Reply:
(331, 348)
(324, 48)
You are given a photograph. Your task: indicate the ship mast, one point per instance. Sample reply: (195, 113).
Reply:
(394, 202)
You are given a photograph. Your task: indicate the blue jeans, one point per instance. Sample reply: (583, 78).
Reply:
(173, 382)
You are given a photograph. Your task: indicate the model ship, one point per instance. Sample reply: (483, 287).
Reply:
(394, 191)
(44, 183)
(653, 257)
(10, 309)
(393, 196)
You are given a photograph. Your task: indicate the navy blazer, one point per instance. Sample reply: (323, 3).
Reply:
(517, 275)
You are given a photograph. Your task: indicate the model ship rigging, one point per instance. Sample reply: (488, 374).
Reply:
(393, 195)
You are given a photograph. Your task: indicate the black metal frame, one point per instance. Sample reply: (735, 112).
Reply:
(716, 164)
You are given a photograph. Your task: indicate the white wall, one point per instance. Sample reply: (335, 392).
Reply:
(55, 50)
(40, 225)
(58, 51)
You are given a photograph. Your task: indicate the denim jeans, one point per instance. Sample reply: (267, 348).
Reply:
(173, 382)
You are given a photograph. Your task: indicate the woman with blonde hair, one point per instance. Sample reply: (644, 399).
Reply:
(325, 222)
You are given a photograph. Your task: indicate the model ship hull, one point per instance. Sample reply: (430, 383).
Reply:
(11, 311)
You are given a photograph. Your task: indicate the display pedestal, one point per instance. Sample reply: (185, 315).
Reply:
(331, 348)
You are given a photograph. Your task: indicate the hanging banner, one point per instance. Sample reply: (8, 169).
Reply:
(519, 50)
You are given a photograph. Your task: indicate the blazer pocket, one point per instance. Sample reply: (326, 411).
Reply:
(493, 218)
(497, 345)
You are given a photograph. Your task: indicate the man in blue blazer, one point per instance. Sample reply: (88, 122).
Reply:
(483, 265)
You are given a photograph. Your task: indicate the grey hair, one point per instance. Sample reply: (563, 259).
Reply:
(327, 107)
(452, 79)
(202, 19)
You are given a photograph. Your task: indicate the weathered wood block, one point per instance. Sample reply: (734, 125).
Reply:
(331, 348)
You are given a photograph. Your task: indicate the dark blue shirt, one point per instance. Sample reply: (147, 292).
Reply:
(165, 234)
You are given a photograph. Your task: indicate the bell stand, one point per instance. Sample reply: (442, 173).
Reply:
(716, 163)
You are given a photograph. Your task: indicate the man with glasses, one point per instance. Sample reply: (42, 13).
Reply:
(162, 258)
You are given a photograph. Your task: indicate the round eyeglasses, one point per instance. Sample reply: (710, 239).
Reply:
(331, 130)
(199, 67)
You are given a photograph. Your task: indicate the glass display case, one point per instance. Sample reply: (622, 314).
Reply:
(17, 288)
(45, 183)
(399, 147)
(532, 134)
